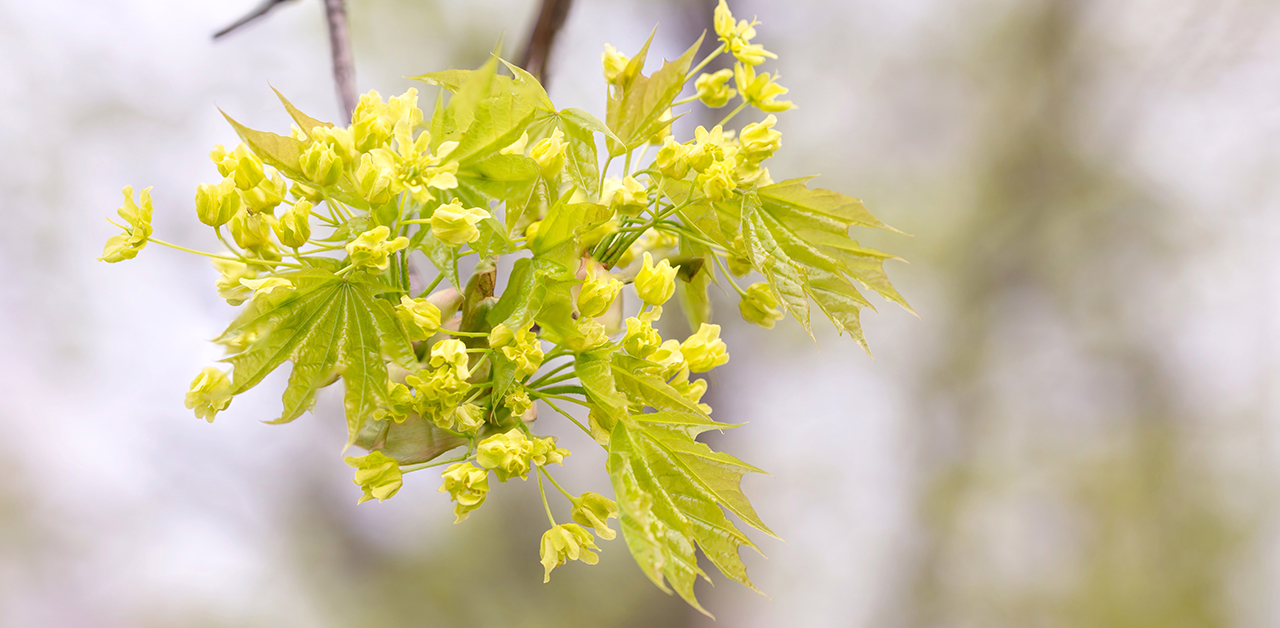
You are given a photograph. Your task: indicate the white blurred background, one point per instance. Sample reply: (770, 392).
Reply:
(1080, 430)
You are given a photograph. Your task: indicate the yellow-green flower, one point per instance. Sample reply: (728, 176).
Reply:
(672, 159)
(760, 90)
(518, 401)
(760, 306)
(506, 454)
(543, 451)
(251, 230)
(597, 295)
(655, 284)
(137, 228)
(269, 289)
(627, 195)
(412, 164)
(230, 272)
(293, 229)
(758, 140)
(451, 353)
(718, 180)
(593, 510)
(321, 164)
(266, 195)
(455, 225)
(467, 486)
(567, 542)
(399, 401)
(210, 393)
(373, 182)
(549, 153)
(521, 347)
(713, 89)
(705, 350)
(372, 251)
(469, 418)
(421, 317)
(641, 339)
(377, 474)
(240, 165)
(615, 65)
(737, 37)
(216, 204)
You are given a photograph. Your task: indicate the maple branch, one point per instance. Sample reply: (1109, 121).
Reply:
(253, 15)
(537, 52)
(344, 72)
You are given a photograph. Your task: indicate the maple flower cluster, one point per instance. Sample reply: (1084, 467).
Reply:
(344, 248)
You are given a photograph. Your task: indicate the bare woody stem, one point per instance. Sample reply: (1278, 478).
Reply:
(344, 72)
(551, 19)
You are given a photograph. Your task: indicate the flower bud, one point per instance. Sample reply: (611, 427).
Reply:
(266, 195)
(655, 284)
(321, 164)
(713, 89)
(549, 153)
(705, 350)
(517, 147)
(293, 229)
(455, 225)
(373, 183)
(467, 486)
(377, 474)
(421, 317)
(672, 159)
(210, 393)
(760, 306)
(216, 204)
(597, 295)
(246, 168)
(250, 230)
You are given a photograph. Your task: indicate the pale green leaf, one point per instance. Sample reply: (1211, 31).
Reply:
(328, 327)
(305, 122)
(634, 108)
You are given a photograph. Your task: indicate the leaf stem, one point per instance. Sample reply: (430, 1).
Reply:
(543, 491)
(732, 114)
(698, 68)
(556, 484)
(567, 416)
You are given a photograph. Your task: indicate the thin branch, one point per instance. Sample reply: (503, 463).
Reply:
(344, 72)
(262, 10)
(537, 53)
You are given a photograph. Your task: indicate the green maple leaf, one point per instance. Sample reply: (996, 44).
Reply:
(635, 108)
(798, 239)
(328, 327)
(670, 489)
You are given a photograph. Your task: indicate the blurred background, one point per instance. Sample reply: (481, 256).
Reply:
(1080, 430)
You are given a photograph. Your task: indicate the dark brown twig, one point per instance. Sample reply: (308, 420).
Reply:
(262, 10)
(551, 19)
(344, 71)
